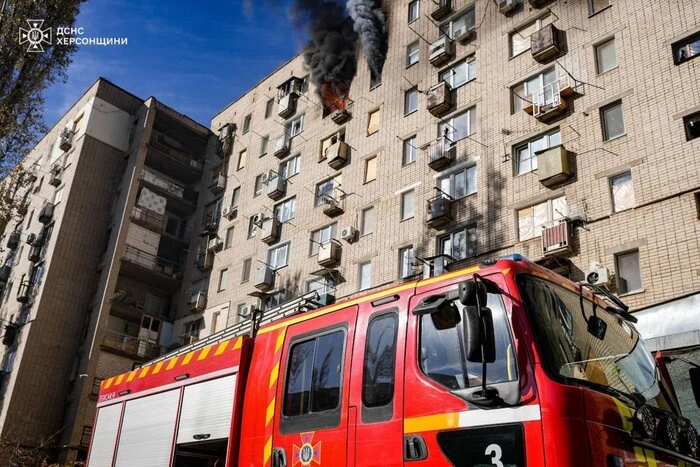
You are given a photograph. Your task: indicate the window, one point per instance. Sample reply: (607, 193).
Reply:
(692, 126)
(374, 79)
(328, 142)
(214, 322)
(374, 121)
(326, 189)
(460, 244)
(606, 56)
(622, 192)
(413, 11)
(290, 167)
(370, 169)
(29, 219)
(459, 184)
(245, 270)
(408, 201)
(295, 127)
(406, 262)
(442, 350)
(532, 219)
(364, 276)
(191, 334)
(264, 143)
(321, 236)
(58, 196)
(629, 275)
(314, 375)
(613, 121)
(410, 103)
(520, 39)
(412, 54)
(526, 153)
(460, 25)
(223, 280)
(212, 213)
(378, 371)
(277, 257)
(286, 210)
(258, 185)
(322, 285)
(269, 107)
(521, 94)
(367, 219)
(242, 156)
(235, 195)
(460, 73)
(246, 123)
(458, 127)
(410, 148)
(686, 49)
(274, 299)
(594, 6)
(253, 225)
(228, 242)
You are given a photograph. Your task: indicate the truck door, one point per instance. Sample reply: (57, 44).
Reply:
(311, 417)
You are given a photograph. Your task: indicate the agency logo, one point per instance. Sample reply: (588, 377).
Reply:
(308, 452)
(35, 37)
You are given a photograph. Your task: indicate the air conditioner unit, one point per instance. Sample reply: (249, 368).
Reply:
(349, 234)
(245, 312)
(506, 6)
(230, 212)
(55, 179)
(441, 51)
(215, 244)
(66, 139)
(556, 238)
(197, 302)
(464, 35)
(337, 154)
(264, 177)
(598, 274)
(545, 43)
(443, 10)
(258, 218)
(340, 116)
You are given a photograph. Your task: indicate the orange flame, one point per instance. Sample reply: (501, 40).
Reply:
(332, 98)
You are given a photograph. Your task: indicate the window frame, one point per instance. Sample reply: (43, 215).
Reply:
(410, 148)
(258, 185)
(222, 283)
(382, 412)
(526, 92)
(283, 169)
(598, 58)
(292, 210)
(247, 120)
(537, 22)
(604, 122)
(228, 238)
(402, 210)
(469, 64)
(618, 274)
(242, 159)
(550, 216)
(269, 108)
(368, 162)
(450, 235)
(449, 123)
(591, 7)
(450, 24)
(363, 221)
(314, 244)
(264, 145)
(611, 185)
(319, 196)
(684, 43)
(296, 123)
(268, 256)
(377, 111)
(412, 19)
(694, 119)
(246, 268)
(412, 52)
(405, 274)
(359, 275)
(451, 176)
(407, 110)
(532, 154)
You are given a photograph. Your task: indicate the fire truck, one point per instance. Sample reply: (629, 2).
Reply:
(504, 364)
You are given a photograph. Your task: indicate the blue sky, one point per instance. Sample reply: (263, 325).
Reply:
(195, 56)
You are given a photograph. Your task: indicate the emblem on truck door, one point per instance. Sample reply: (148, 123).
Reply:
(307, 452)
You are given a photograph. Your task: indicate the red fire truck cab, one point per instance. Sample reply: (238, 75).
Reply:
(506, 364)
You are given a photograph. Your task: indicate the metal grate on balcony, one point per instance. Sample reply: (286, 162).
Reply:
(149, 219)
(131, 346)
(158, 143)
(150, 261)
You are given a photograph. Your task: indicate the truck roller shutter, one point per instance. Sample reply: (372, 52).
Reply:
(105, 438)
(206, 410)
(148, 429)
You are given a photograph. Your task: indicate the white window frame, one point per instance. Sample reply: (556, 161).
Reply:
(295, 127)
(539, 23)
(246, 267)
(468, 64)
(322, 236)
(363, 221)
(616, 204)
(410, 97)
(552, 215)
(412, 54)
(620, 276)
(405, 212)
(286, 210)
(293, 163)
(604, 121)
(522, 96)
(223, 280)
(331, 183)
(467, 231)
(360, 269)
(447, 182)
(273, 253)
(258, 185)
(598, 57)
(449, 27)
(228, 238)
(264, 145)
(406, 258)
(449, 124)
(410, 150)
(550, 139)
(413, 11)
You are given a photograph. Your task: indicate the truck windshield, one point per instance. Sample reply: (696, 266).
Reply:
(618, 363)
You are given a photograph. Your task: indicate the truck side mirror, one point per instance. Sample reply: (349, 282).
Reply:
(695, 383)
(468, 291)
(441, 309)
(478, 333)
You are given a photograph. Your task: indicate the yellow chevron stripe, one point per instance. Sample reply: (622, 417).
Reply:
(651, 459)
(159, 365)
(267, 451)
(171, 363)
(222, 348)
(131, 376)
(441, 421)
(203, 354)
(280, 341)
(187, 358)
(274, 374)
(108, 383)
(270, 412)
(144, 371)
(119, 380)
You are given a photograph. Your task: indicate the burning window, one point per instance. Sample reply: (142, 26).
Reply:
(334, 98)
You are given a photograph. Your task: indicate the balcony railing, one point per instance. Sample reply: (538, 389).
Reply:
(150, 261)
(149, 219)
(158, 142)
(131, 345)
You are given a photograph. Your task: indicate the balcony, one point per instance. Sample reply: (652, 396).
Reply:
(131, 346)
(333, 202)
(5, 274)
(287, 105)
(264, 278)
(329, 254)
(46, 213)
(161, 156)
(440, 99)
(218, 184)
(211, 223)
(441, 51)
(282, 146)
(13, 239)
(55, 178)
(556, 238)
(148, 219)
(197, 302)
(276, 187)
(341, 116)
(553, 166)
(441, 153)
(442, 10)
(150, 268)
(552, 100)
(270, 230)
(205, 260)
(545, 43)
(337, 154)
(133, 304)
(439, 212)
(225, 143)
(181, 200)
(24, 291)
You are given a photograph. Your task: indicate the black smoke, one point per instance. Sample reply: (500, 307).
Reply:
(369, 22)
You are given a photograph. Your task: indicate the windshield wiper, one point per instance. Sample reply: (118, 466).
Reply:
(622, 310)
(635, 400)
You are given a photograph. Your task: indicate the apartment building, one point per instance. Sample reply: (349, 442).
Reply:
(565, 131)
(92, 274)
